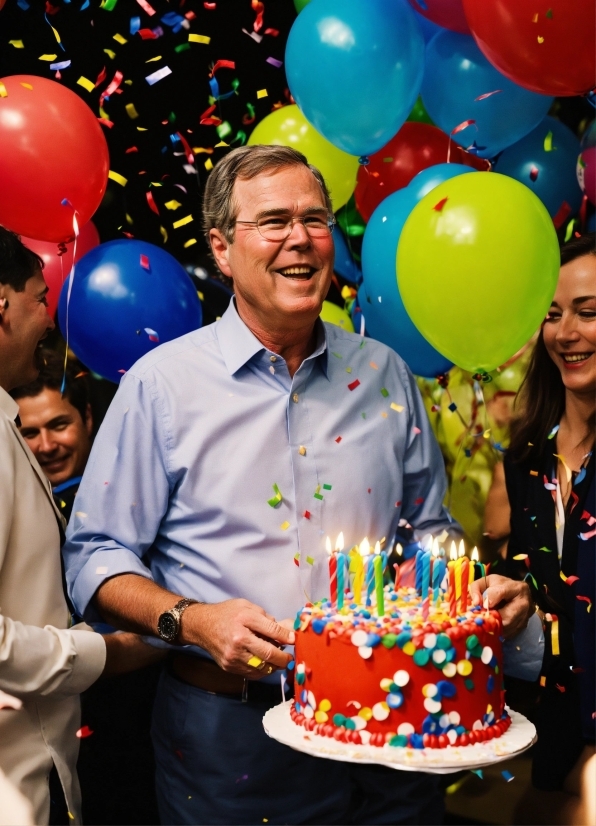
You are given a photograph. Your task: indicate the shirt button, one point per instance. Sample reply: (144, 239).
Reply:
(295, 398)
(272, 358)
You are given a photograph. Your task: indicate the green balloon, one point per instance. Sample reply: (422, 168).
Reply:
(478, 262)
(419, 113)
(333, 314)
(300, 4)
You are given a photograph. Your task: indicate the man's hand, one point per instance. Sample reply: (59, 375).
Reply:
(234, 631)
(511, 598)
(127, 652)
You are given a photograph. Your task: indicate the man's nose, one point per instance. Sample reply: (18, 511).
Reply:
(50, 325)
(45, 442)
(298, 234)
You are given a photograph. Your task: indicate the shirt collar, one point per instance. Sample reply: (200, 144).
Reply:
(238, 345)
(8, 405)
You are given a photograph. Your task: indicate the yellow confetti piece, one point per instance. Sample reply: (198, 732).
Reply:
(3, 92)
(199, 38)
(542, 681)
(520, 556)
(141, 129)
(182, 222)
(86, 83)
(284, 526)
(348, 369)
(397, 407)
(486, 434)
(254, 661)
(262, 93)
(554, 637)
(221, 143)
(27, 85)
(129, 220)
(18, 44)
(540, 39)
(384, 415)
(189, 243)
(48, 57)
(56, 35)
(131, 111)
(103, 114)
(116, 176)
(201, 296)
(153, 59)
(172, 205)
(128, 82)
(533, 473)
(208, 164)
(71, 816)
(156, 183)
(164, 234)
(374, 366)
(119, 39)
(110, 53)
(199, 149)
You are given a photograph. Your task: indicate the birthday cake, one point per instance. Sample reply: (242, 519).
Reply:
(412, 670)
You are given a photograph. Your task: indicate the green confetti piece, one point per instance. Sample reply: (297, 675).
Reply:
(326, 487)
(348, 369)
(548, 142)
(240, 136)
(568, 234)
(223, 129)
(310, 560)
(362, 343)
(532, 578)
(251, 110)
(363, 415)
(547, 550)
(337, 355)
(108, 5)
(182, 47)
(384, 392)
(319, 496)
(549, 14)
(275, 500)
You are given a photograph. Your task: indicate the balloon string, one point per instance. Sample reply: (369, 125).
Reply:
(75, 227)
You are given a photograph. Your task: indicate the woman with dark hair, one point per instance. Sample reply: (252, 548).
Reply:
(549, 473)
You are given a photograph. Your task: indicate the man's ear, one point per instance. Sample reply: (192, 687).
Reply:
(3, 299)
(220, 247)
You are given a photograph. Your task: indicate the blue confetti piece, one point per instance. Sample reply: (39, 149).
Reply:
(135, 24)
(453, 407)
(84, 6)
(553, 432)
(507, 776)
(23, 4)
(64, 64)
(580, 477)
(479, 773)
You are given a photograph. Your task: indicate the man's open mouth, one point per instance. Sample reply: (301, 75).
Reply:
(572, 358)
(300, 272)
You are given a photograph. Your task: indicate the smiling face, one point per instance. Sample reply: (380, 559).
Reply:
(278, 284)
(570, 328)
(56, 433)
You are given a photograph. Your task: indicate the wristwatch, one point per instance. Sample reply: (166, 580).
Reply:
(168, 624)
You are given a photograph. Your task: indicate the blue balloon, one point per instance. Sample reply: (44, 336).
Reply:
(355, 69)
(384, 313)
(456, 74)
(427, 27)
(545, 162)
(422, 183)
(127, 298)
(344, 264)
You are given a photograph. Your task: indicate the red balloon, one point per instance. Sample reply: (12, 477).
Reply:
(543, 45)
(415, 147)
(57, 267)
(52, 149)
(446, 13)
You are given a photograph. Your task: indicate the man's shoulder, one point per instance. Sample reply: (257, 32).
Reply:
(183, 350)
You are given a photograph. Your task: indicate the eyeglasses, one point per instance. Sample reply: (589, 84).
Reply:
(279, 227)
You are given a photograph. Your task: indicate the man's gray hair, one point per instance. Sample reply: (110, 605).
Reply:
(246, 162)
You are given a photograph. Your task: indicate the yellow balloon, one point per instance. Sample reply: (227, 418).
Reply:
(288, 127)
(333, 314)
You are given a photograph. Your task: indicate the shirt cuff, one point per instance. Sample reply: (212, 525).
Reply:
(523, 655)
(90, 658)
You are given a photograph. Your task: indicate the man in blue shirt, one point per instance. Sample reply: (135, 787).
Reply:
(225, 459)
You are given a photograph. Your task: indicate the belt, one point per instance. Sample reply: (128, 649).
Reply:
(208, 676)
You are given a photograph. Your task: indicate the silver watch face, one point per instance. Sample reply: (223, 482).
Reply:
(167, 627)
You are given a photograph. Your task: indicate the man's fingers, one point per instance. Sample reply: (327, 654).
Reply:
(265, 651)
(271, 629)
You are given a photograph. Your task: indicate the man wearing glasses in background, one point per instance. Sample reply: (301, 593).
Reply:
(224, 460)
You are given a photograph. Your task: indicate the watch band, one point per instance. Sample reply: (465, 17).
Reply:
(175, 613)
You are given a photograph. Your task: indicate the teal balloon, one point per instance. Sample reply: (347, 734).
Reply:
(344, 264)
(545, 162)
(355, 68)
(456, 74)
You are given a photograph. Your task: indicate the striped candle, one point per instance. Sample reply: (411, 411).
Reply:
(377, 565)
(452, 601)
(341, 564)
(465, 577)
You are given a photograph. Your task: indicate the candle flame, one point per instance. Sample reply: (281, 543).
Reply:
(435, 548)
(475, 556)
(328, 545)
(398, 549)
(339, 542)
(462, 548)
(364, 547)
(453, 551)
(377, 547)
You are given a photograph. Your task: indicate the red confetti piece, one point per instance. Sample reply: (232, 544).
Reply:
(146, 7)
(222, 64)
(534, 173)
(306, 514)
(353, 385)
(569, 580)
(190, 15)
(101, 77)
(105, 122)
(130, 150)
(338, 440)
(488, 95)
(588, 535)
(591, 520)
(84, 731)
(259, 8)
(563, 213)
(575, 498)
(561, 688)
(461, 126)
(207, 120)
(369, 490)
(397, 504)
(187, 150)
(272, 32)
(419, 501)
(144, 262)
(416, 431)
(210, 6)
(147, 34)
(438, 207)
(151, 202)
(112, 87)
(584, 599)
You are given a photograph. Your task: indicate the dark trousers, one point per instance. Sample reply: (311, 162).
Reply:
(216, 765)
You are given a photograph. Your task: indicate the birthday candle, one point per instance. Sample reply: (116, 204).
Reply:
(438, 573)
(425, 583)
(378, 569)
(452, 602)
(341, 585)
(359, 570)
(419, 558)
(465, 575)
(458, 564)
(369, 574)
(397, 576)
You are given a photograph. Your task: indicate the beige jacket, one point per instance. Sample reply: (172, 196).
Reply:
(41, 662)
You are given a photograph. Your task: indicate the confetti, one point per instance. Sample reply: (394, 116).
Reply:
(284, 526)
(507, 776)
(416, 431)
(158, 75)
(306, 514)
(589, 535)
(438, 207)
(182, 222)
(534, 175)
(310, 560)
(86, 83)
(262, 93)
(199, 38)
(553, 432)
(397, 407)
(63, 64)
(373, 365)
(453, 407)
(144, 262)
(274, 62)
(18, 44)
(521, 556)
(585, 599)
(540, 39)
(353, 385)
(146, 7)
(568, 580)
(546, 550)
(119, 39)
(338, 440)
(542, 681)
(384, 392)
(533, 473)
(84, 731)
(48, 57)
(548, 142)
(297, 559)
(116, 176)
(461, 126)
(327, 487)
(488, 94)
(275, 500)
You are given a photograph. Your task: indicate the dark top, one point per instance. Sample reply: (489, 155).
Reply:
(566, 590)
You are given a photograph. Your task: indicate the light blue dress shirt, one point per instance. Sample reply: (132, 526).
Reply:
(523, 654)
(178, 483)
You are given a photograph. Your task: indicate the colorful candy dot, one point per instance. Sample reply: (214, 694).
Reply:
(324, 705)
(401, 678)
(450, 670)
(405, 729)
(464, 667)
(421, 656)
(487, 654)
(380, 711)
(366, 713)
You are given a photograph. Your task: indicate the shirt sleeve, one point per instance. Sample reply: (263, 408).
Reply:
(425, 481)
(48, 660)
(123, 495)
(523, 655)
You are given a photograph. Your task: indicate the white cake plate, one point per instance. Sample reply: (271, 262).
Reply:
(520, 735)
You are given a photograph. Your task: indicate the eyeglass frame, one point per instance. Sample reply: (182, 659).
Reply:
(331, 224)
